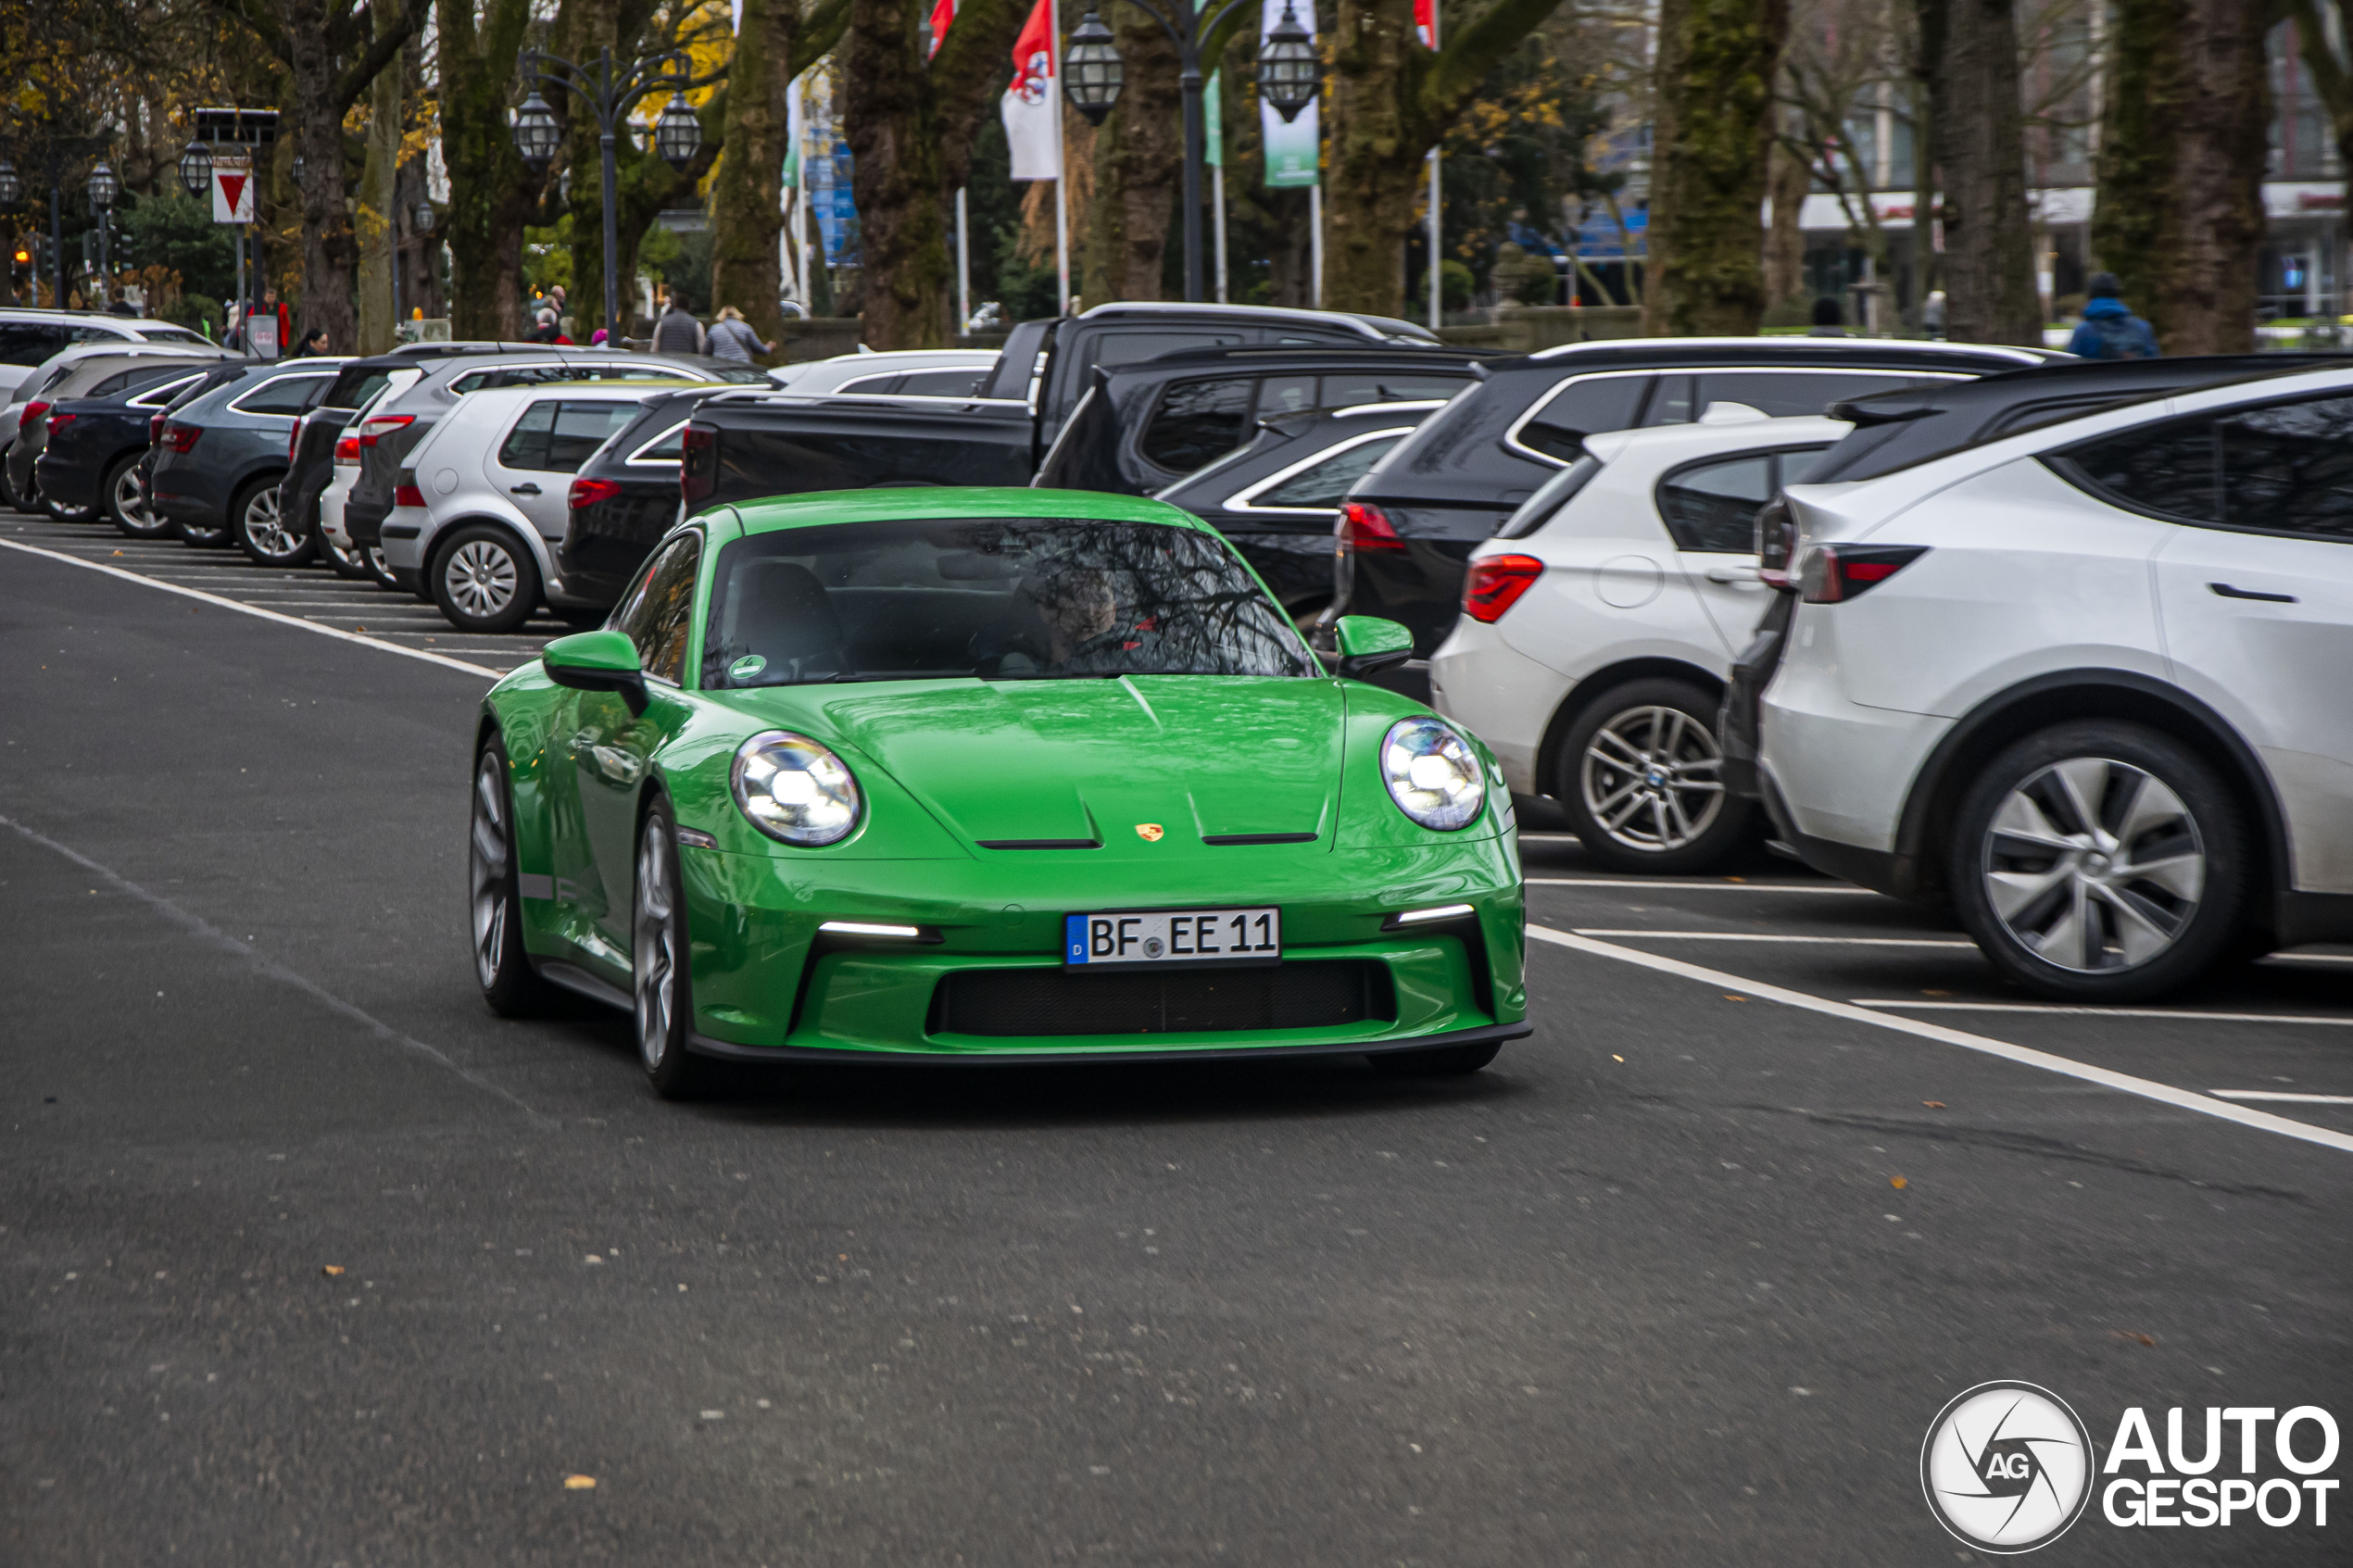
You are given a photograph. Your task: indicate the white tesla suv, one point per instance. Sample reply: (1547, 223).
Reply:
(2084, 684)
(1599, 625)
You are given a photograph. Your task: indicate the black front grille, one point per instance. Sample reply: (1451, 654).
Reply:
(1306, 995)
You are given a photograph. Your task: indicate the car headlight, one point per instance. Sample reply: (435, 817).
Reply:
(1432, 774)
(793, 789)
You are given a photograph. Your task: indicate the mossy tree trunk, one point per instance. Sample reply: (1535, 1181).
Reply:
(747, 208)
(492, 191)
(1140, 160)
(1971, 54)
(1388, 102)
(2179, 212)
(1712, 129)
(379, 211)
(909, 125)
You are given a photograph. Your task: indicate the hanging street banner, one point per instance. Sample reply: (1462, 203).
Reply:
(231, 190)
(1028, 109)
(1213, 123)
(1291, 149)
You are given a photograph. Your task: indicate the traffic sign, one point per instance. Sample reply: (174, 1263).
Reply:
(231, 192)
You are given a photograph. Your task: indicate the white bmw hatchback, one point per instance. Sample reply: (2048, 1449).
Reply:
(1600, 623)
(2087, 685)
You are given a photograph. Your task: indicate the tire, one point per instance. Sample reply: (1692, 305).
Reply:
(2099, 861)
(344, 560)
(484, 579)
(660, 989)
(1635, 811)
(1444, 1062)
(57, 513)
(126, 508)
(493, 888)
(260, 527)
(201, 538)
(377, 569)
(7, 491)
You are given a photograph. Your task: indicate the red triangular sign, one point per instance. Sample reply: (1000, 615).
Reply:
(233, 188)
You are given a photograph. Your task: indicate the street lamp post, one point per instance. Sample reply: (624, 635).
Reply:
(102, 190)
(1287, 77)
(612, 91)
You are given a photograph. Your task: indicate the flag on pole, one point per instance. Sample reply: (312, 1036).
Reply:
(942, 13)
(1032, 126)
(1213, 123)
(1426, 22)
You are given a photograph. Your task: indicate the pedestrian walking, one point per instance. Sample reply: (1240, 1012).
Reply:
(2110, 331)
(730, 337)
(679, 331)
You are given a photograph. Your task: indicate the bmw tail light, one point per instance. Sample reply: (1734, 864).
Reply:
(1834, 573)
(1495, 584)
(180, 438)
(347, 449)
(588, 491)
(698, 465)
(1364, 527)
(31, 412)
(381, 425)
(1776, 544)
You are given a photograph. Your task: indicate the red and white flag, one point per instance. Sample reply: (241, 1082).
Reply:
(943, 12)
(1426, 22)
(1033, 123)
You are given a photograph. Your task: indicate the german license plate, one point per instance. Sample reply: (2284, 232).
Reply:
(1139, 938)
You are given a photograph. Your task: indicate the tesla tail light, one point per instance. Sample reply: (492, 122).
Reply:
(1495, 584)
(347, 448)
(1834, 573)
(408, 496)
(1364, 527)
(180, 438)
(31, 412)
(698, 465)
(381, 425)
(1776, 543)
(588, 491)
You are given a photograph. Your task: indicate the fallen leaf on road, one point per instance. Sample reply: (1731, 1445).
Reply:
(580, 1483)
(2128, 1333)
(1933, 1104)
(332, 1269)
(592, 1258)
(1897, 1182)
(1614, 1057)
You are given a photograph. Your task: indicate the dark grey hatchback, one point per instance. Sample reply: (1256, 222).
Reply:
(219, 456)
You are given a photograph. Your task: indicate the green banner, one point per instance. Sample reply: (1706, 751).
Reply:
(1214, 121)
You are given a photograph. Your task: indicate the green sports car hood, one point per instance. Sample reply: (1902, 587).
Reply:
(1040, 762)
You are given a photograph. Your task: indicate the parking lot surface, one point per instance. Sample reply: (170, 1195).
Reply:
(312, 1261)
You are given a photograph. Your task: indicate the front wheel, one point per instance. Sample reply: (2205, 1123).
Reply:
(509, 985)
(663, 1000)
(2099, 861)
(257, 522)
(1640, 776)
(483, 580)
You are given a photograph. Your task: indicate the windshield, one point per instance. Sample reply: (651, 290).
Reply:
(999, 598)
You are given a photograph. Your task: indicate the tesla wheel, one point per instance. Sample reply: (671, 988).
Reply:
(1442, 1061)
(2099, 861)
(483, 580)
(1639, 777)
(259, 525)
(344, 560)
(127, 505)
(495, 892)
(658, 959)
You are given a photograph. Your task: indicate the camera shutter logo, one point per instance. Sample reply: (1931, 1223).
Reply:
(2007, 1467)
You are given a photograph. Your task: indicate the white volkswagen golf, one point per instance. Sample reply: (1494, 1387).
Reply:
(1599, 624)
(2087, 685)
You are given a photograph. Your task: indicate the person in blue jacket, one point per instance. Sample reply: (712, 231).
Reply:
(2110, 331)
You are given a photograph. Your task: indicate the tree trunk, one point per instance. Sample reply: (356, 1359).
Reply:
(1140, 159)
(379, 210)
(329, 249)
(2179, 216)
(1788, 181)
(1974, 105)
(1716, 63)
(492, 192)
(747, 206)
(910, 127)
(2333, 82)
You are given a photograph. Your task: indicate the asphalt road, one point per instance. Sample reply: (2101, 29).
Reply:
(308, 1260)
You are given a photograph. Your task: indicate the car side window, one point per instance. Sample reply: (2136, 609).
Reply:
(1786, 393)
(1325, 485)
(284, 395)
(660, 611)
(941, 384)
(2167, 469)
(526, 445)
(28, 343)
(670, 447)
(1287, 395)
(160, 396)
(2288, 467)
(1711, 506)
(1197, 421)
(1583, 407)
(111, 385)
(1391, 386)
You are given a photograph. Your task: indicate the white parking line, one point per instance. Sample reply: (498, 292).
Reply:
(1776, 936)
(2273, 1094)
(2306, 958)
(2205, 1105)
(2097, 1012)
(255, 610)
(1710, 886)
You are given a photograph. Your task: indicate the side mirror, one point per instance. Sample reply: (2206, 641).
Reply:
(1367, 644)
(597, 662)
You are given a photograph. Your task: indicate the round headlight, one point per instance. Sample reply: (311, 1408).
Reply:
(1432, 774)
(793, 789)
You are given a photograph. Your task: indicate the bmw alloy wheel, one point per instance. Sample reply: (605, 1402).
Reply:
(1649, 778)
(487, 862)
(480, 578)
(653, 946)
(2094, 865)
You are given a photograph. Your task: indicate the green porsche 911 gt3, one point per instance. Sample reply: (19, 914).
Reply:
(956, 775)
